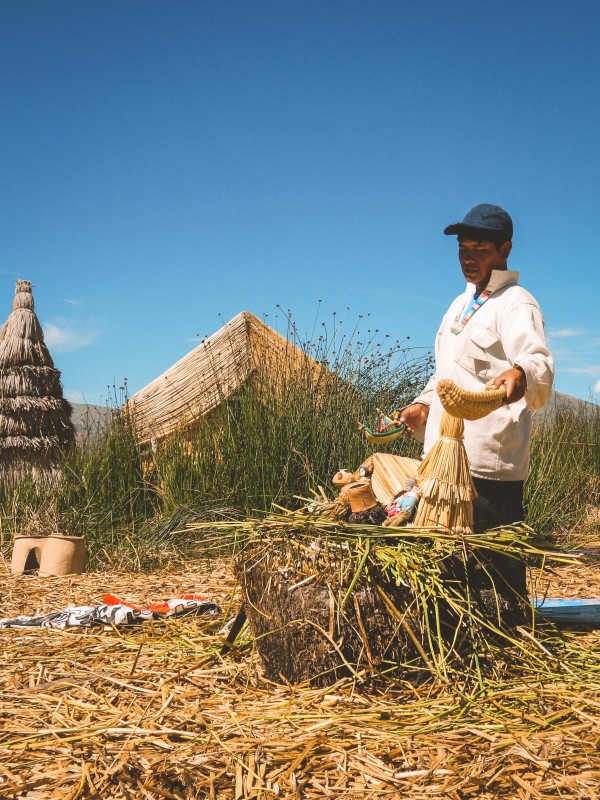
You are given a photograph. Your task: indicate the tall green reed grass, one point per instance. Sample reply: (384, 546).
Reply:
(272, 442)
(281, 434)
(564, 482)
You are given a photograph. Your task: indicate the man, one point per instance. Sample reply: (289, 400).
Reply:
(494, 331)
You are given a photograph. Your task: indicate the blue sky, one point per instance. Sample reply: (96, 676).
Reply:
(165, 165)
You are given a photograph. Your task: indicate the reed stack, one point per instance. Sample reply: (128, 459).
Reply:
(35, 418)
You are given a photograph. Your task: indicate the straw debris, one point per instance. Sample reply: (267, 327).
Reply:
(156, 712)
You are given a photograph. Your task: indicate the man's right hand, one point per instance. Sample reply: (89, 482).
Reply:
(414, 416)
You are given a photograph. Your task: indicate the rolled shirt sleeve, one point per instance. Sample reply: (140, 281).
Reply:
(525, 345)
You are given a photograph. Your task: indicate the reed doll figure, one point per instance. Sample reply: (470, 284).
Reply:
(404, 505)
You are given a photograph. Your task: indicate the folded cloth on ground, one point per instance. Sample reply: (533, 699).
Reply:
(114, 611)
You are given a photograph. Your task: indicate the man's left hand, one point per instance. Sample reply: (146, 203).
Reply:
(515, 383)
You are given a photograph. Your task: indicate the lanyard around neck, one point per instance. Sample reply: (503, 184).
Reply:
(476, 304)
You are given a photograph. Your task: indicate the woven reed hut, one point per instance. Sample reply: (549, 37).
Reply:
(35, 419)
(213, 372)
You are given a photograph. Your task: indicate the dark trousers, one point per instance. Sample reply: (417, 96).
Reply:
(497, 503)
(501, 503)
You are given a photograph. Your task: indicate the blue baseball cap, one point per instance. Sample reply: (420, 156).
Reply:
(484, 218)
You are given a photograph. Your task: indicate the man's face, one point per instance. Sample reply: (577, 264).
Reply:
(479, 259)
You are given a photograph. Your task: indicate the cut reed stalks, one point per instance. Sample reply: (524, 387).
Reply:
(453, 602)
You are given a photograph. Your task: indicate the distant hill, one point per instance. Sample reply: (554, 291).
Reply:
(93, 420)
(564, 402)
(90, 420)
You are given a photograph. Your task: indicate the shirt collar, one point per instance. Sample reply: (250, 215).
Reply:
(498, 280)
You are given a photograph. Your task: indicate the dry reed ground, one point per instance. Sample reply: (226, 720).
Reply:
(155, 712)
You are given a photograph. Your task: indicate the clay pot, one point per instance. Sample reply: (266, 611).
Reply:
(51, 555)
(360, 495)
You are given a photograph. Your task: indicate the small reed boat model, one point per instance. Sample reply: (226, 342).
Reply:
(389, 428)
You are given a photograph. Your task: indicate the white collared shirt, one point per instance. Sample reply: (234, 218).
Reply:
(507, 329)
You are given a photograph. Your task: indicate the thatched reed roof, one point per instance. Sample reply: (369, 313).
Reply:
(35, 419)
(212, 372)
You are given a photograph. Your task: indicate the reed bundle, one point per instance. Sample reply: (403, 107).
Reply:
(469, 405)
(29, 381)
(442, 601)
(33, 404)
(156, 712)
(445, 482)
(389, 474)
(22, 340)
(27, 445)
(444, 477)
(35, 419)
(30, 419)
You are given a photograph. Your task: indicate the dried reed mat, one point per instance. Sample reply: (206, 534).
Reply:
(469, 405)
(35, 419)
(445, 482)
(156, 712)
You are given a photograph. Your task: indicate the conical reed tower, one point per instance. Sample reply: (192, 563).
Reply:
(35, 419)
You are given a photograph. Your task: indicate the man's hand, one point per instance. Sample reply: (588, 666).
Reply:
(515, 383)
(414, 416)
